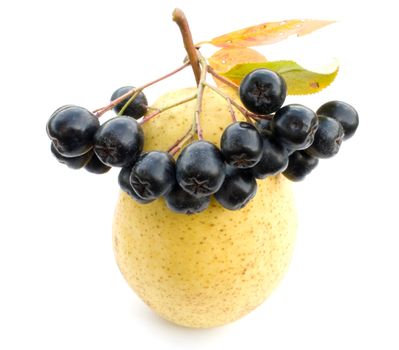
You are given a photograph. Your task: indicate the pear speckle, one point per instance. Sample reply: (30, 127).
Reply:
(212, 268)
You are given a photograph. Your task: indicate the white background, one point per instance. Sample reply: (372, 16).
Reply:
(59, 284)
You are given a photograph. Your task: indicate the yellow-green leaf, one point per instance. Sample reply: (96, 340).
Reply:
(268, 33)
(299, 80)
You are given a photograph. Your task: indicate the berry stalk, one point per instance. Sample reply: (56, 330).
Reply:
(159, 111)
(178, 145)
(231, 110)
(243, 111)
(201, 86)
(100, 111)
(222, 79)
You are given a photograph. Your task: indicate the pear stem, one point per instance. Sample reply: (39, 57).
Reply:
(180, 18)
(100, 111)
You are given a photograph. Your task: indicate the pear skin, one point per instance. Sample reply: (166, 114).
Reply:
(212, 268)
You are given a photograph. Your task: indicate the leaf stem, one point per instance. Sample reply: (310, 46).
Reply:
(180, 18)
(100, 111)
(148, 117)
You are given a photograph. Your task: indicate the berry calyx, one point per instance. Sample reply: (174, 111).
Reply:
(328, 138)
(238, 188)
(300, 164)
(295, 125)
(136, 109)
(153, 175)
(200, 169)
(241, 145)
(124, 184)
(344, 113)
(179, 201)
(72, 162)
(263, 91)
(119, 141)
(72, 128)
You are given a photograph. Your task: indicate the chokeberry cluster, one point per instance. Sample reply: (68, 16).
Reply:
(275, 139)
(79, 141)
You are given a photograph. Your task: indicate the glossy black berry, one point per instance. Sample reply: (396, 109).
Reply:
(295, 125)
(274, 158)
(344, 113)
(136, 109)
(328, 138)
(182, 202)
(263, 91)
(241, 145)
(124, 183)
(238, 188)
(300, 164)
(263, 126)
(200, 169)
(72, 162)
(72, 128)
(96, 166)
(119, 141)
(153, 175)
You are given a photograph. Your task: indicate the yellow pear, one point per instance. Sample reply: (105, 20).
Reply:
(208, 269)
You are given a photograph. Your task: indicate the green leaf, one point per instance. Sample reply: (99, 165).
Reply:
(299, 80)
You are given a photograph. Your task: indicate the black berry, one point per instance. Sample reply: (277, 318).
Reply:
(295, 125)
(328, 138)
(274, 158)
(200, 169)
(344, 113)
(179, 201)
(72, 162)
(238, 188)
(153, 175)
(96, 166)
(300, 164)
(263, 126)
(72, 128)
(136, 109)
(119, 141)
(124, 183)
(263, 91)
(241, 145)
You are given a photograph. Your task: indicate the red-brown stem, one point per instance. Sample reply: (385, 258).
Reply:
(222, 79)
(100, 111)
(177, 146)
(180, 18)
(198, 111)
(243, 111)
(232, 113)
